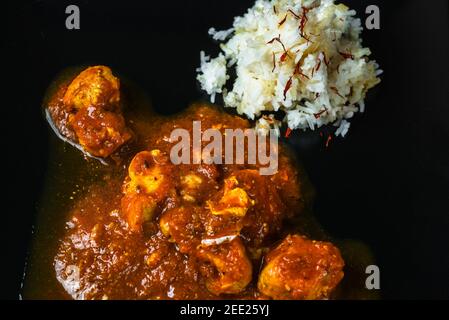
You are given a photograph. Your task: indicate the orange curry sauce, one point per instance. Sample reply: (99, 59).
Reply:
(143, 228)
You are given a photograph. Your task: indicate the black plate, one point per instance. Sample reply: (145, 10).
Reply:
(386, 184)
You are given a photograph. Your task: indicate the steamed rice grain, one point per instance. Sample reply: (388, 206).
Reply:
(302, 57)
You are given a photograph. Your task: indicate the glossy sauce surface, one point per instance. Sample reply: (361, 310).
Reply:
(93, 253)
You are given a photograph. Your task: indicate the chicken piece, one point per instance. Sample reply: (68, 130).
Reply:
(235, 201)
(138, 208)
(93, 101)
(198, 182)
(95, 86)
(149, 173)
(301, 269)
(265, 214)
(147, 185)
(190, 184)
(231, 269)
(183, 226)
(100, 132)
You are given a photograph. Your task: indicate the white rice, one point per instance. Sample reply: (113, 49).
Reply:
(343, 128)
(220, 35)
(334, 70)
(213, 74)
(267, 123)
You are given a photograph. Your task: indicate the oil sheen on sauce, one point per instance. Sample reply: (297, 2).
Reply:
(75, 183)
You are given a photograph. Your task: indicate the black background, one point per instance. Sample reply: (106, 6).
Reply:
(386, 184)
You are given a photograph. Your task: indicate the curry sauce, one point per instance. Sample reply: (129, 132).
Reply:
(141, 227)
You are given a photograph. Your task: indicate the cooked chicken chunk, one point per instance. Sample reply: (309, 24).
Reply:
(235, 201)
(147, 185)
(301, 269)
(99, 132)
(190, 184)
(95, 86)
(138, 208)
(225, 264)
(93, 102)
(182, 226)
(197, 182)
(231, 269)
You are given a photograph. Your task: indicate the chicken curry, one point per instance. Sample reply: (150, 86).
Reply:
(146, 228)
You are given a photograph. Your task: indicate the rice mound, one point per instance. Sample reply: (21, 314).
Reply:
(302, 57)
